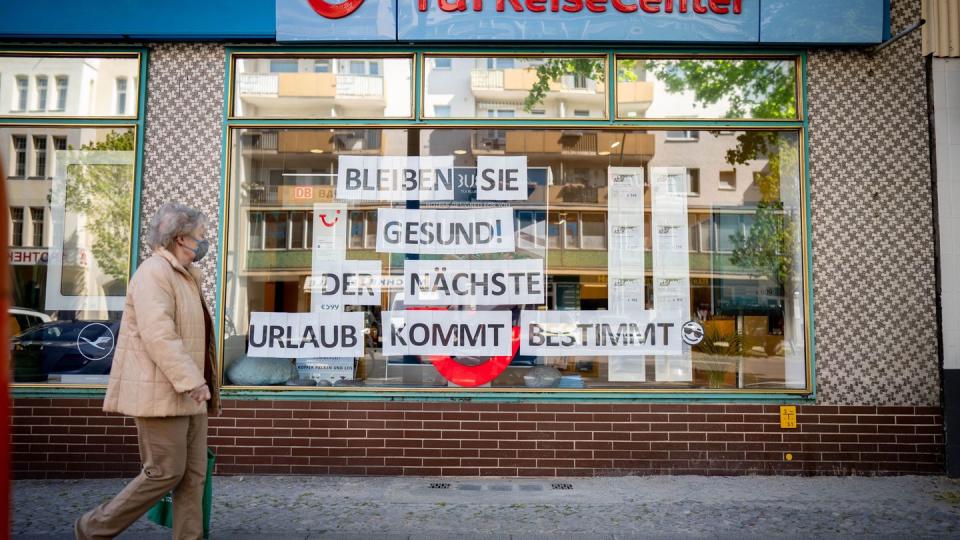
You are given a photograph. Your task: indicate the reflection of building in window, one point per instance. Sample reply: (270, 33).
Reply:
(729, 226)
(683, 135)
(323, 87)
(42, 92)
(442, 63)
(40, 156)
(280, 229)
(121, 96)
(67, 86)
(62, 83)
(19, 156)
(36, 222)
(22, 92)
(499, 83)
(530, 226)
(501, 113)
(441, 111)
(16, 217)
(728, 180)
(283, 66)
(362, 227)
(693, 181)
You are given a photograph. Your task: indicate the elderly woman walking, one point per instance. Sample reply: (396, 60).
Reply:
(163, 376)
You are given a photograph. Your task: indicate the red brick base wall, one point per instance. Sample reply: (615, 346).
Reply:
(71, 438)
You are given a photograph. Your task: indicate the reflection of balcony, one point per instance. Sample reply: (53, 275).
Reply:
(569, 142)
(288, 92)
(262, 141)
(515, 83)
(634, 98)
(359, 86)
(364, 141)
(488, 141)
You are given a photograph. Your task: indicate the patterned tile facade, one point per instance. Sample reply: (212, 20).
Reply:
(182, 145)
(871, 203)
(873, 247)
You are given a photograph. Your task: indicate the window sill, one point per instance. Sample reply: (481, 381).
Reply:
(445, 395)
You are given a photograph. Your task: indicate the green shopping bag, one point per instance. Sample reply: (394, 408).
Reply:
(162, 512)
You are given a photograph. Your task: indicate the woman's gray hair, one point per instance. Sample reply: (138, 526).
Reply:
(171, 221)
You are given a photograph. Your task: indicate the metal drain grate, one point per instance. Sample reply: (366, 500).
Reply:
(439, 485)
(561, 486)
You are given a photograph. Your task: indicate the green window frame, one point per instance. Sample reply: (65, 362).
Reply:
(422, 56)
(134, 122)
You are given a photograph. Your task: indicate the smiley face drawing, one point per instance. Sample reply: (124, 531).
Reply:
(692, 333)
(325, 222)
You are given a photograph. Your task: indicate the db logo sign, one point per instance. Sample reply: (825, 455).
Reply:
(334, 10)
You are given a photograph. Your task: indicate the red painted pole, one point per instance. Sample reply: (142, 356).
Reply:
(5, 297)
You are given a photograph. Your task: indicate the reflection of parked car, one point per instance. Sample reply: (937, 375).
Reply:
(63, 347)
(22, 319)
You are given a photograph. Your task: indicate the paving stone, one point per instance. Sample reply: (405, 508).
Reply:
(396, 508)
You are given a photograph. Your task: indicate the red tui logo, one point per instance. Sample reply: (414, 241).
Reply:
(335, 11)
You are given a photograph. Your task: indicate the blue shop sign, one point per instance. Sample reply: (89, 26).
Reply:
(703, 22)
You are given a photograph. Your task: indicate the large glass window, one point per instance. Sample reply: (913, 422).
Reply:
(71, 189)
(605, 229)
(82, 85)
(508, 87)
(322, 87)
(706, 88)
(564, 253)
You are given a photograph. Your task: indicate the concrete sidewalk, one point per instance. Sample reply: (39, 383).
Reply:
(467, 508)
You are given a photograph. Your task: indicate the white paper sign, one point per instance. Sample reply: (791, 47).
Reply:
(569, 333)
(329, 232)
(305, 335)
(502, 178)
(626, 259)
(445, 232)
(466, 333)
(329, 246)
(474, 283)
(348, 282)
(671, 259)
(395, 178)
(72, 237)
(325, 369)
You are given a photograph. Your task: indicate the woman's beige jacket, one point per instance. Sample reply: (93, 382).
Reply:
(163, 343)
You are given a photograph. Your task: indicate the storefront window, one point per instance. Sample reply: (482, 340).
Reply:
(71, 192)
(323, 87)
(706, 88)
(515, 87)
(82, 85)
(553, 284)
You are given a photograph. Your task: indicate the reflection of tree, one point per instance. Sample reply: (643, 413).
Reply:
(750, 88)
(553, 69)
(768, 246)
(102, 194)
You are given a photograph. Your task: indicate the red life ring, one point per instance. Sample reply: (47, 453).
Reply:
(471, 376)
